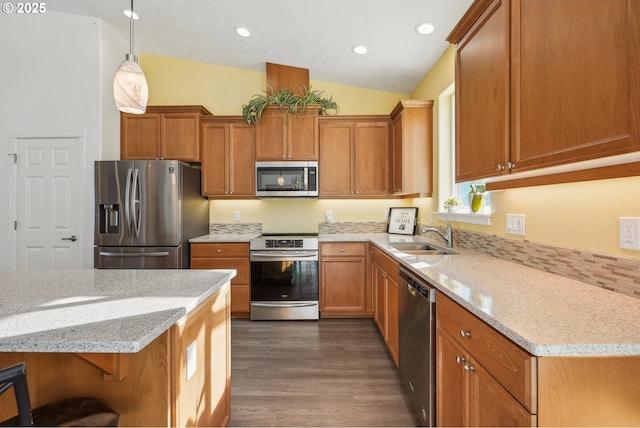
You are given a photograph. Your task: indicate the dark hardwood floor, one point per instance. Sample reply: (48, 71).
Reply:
(332, 372)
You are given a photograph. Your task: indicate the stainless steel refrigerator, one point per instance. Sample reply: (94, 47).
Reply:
(145, 213)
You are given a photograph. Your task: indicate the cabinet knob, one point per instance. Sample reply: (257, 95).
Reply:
(460, 359)
(500, 167)
(511, 165)
(464, 333)
(383, 275)
(218, 251)
(342, 250)
(469, 368)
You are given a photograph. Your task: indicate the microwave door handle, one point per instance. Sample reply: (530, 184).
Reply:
(305, 178)
(127, 202)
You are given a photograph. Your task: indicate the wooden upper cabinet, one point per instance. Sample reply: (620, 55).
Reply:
(576, 74)
(281, 135)
(412, 148)
(227, 158)
(163, 132)
(354, 156)
(482, 96)
(543, 83)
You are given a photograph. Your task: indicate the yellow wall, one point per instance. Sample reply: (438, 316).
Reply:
(579, 215)
(576, 215)
(223, 91)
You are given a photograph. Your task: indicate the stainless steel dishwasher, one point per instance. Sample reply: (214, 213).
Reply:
(416, 307)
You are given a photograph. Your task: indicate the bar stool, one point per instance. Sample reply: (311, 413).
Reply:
(81, 411)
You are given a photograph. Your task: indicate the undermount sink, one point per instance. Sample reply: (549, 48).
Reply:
(421, 248)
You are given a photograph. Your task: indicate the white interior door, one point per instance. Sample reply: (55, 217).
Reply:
(50, 223)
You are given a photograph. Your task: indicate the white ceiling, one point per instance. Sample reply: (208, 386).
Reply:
(312, 34)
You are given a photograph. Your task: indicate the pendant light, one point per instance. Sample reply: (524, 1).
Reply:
(130, 89)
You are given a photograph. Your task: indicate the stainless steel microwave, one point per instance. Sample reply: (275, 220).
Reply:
(287, 179)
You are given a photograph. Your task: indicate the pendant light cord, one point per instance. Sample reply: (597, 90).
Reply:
(131, 31)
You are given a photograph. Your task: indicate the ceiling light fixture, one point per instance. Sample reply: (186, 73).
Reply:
(243, 32)
(130, 89)
(359, 49)
(425, 28)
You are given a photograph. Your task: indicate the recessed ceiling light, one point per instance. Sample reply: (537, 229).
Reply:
(243, 32)
(425, 28)
(359, 49)
(128, 14)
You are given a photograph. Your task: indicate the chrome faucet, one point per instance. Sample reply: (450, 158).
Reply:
(447, 236)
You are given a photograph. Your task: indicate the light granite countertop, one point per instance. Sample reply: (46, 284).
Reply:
(92, 310)
(225, 237)
(544, 313)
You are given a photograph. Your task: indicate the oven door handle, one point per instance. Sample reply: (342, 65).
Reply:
(282, 256)
(284, 305)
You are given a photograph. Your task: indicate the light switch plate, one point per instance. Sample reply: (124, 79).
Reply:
(328, 215)
(629, 233)
(515, 224)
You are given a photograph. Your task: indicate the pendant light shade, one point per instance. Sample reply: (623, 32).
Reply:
(130, 89)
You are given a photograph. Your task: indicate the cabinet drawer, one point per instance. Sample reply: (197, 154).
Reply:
(343, 249)
(513, 367)
(240, 265)
(220, 249)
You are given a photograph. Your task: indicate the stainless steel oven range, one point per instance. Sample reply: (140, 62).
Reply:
(284, 277)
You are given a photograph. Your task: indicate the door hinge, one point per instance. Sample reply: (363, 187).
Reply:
(15, 225)
(15, 157)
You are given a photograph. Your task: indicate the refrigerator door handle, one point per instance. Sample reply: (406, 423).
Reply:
(127, 202)
(153, 254)
(135, 204)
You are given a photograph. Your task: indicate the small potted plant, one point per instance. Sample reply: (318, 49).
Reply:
(477, 195)
(453, 204)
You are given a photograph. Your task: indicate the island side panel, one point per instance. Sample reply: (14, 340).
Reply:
(589, 391)
(203, 385)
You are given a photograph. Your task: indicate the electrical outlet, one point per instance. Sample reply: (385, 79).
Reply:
(328, 215)
(629, 233)
(515, 224)
(236, 216)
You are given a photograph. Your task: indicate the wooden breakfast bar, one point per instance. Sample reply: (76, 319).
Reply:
(154, 345)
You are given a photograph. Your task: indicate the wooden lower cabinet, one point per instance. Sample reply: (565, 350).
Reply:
(344, 291)
(484, 379)
(227, 255)
(384, 279)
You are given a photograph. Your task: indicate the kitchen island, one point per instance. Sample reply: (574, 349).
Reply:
(152, 344)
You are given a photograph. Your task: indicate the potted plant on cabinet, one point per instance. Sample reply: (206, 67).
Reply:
(285, 99)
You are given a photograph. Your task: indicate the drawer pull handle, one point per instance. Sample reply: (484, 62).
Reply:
(464, 333)
(460, 359)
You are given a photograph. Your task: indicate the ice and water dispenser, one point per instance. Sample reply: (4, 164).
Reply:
(109, 221)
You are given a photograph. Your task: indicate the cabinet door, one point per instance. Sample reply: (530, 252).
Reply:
(139, 136)
(392, 318)
(490, 405)
(215, 174)
(380, 299)
(180, 136)
(302, 135)
(335, 158)
(482, 96)
(241, 160)
(451, 382)
(397, 177)
(342, 286)
(372, 152)
(271, 134)
(575, 72)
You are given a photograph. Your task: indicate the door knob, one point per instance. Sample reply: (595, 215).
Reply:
(72, 238)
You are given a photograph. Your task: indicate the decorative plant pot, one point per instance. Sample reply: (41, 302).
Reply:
(475, 203)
